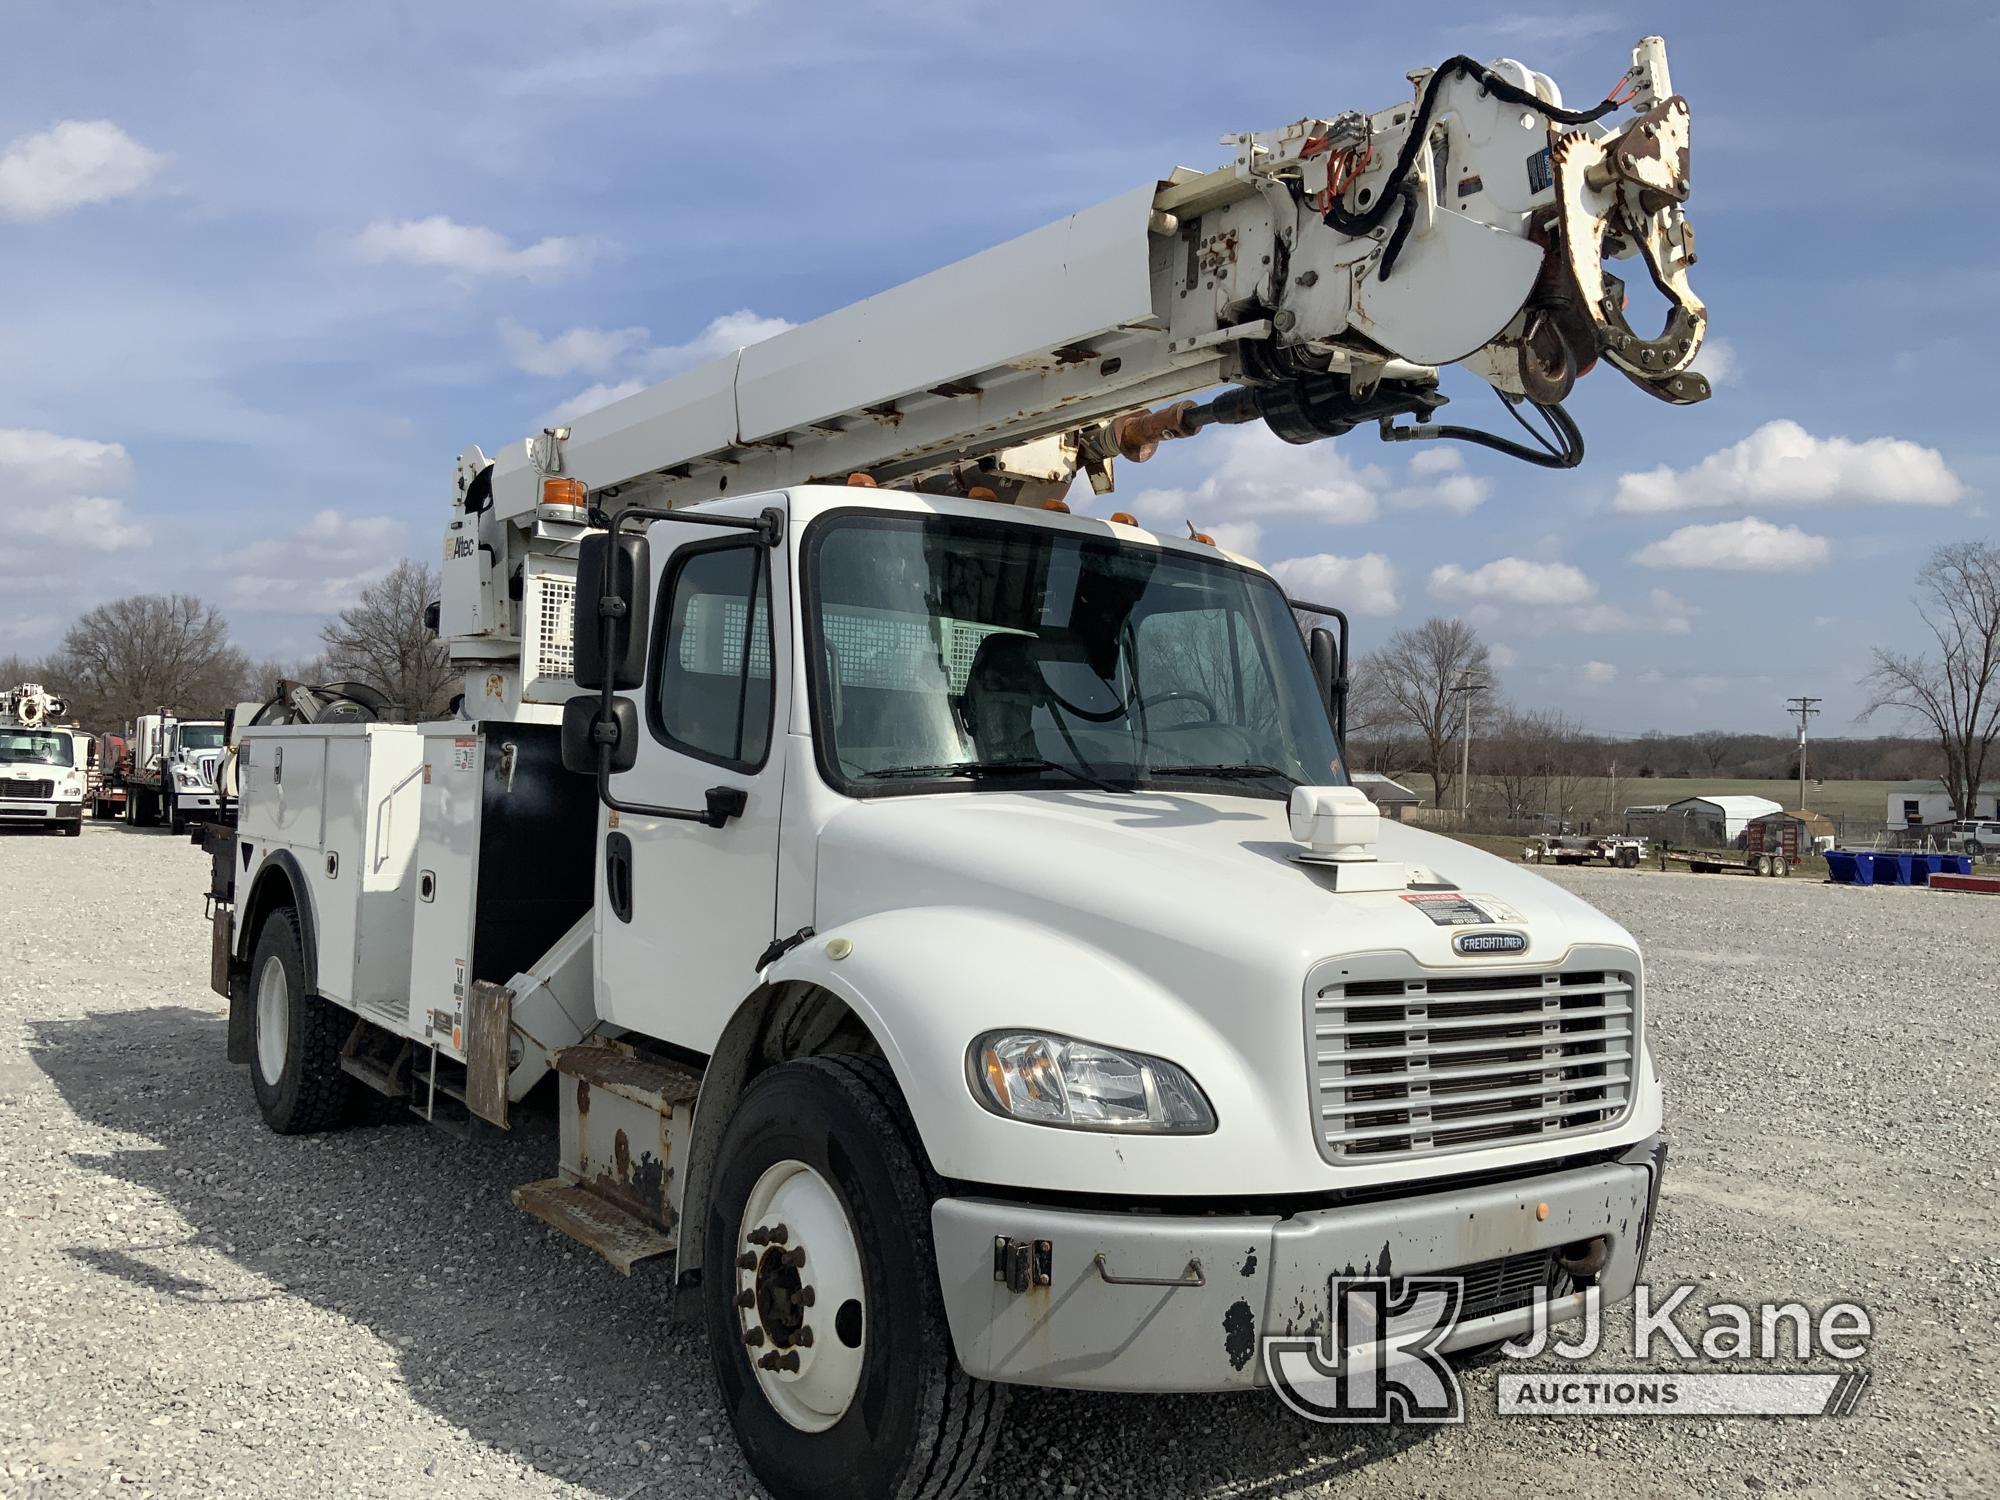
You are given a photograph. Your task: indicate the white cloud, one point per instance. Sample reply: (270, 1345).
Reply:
(589, 351)
(1513, 580)
(53, 490)
(1746, 546)
(45, 463)
(72, 164)
(1260, 476)
(1671, 614)
(1781, 465)
(91, 523)
(321, 566)
(470, 249)
(1503, 655)
(1597, 673)
(650, 364)
(1718, 361)
(1364, 585)
(1445, 486)
(1238, 536)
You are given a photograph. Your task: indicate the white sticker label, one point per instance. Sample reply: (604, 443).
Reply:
(463, 754)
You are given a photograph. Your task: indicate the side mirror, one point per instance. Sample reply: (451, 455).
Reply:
(585, 728)
(618, 580)
(1325, 653)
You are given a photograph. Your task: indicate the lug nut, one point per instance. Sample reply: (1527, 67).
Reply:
(796, 1258)
(753, 1337)
(759, 1236)
(787, 1362)
(805, 1296)
(804, 1339)
(746, 1298)
(747, 1261)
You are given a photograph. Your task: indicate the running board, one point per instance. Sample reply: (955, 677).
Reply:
(625, 1117)
(623, 1239)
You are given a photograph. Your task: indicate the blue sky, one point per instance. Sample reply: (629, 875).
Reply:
(268, 269)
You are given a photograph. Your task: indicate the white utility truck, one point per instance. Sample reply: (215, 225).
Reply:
(174, 767)
(41, 774)
(943, 916)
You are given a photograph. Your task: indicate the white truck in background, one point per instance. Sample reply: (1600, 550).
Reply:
(943, 917)
(174, 767)
(42, 774)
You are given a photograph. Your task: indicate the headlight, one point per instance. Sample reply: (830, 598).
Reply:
(1047, 1079)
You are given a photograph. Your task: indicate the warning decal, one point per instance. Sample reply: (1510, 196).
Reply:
(1447, 908)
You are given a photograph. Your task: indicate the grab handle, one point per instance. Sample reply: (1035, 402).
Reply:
(1191, 1277)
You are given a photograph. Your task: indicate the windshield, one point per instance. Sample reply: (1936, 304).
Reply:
(28, 747)
(980, 654)
(201, 736)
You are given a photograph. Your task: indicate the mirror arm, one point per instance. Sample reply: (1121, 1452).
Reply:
(1339, 616)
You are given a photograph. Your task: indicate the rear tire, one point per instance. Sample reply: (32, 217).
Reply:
(911, 1425)
(295, 1036)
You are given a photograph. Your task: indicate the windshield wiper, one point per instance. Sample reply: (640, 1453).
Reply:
(975, 769)
(1226, 773)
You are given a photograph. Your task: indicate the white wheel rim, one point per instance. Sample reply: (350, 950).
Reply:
(274, 1019)
(801, 1305)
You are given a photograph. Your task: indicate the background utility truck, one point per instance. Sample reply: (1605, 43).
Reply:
(41, 776)
(942, 916)
(170, 769)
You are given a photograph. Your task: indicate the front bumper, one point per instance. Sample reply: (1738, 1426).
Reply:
(1241, 1277)
(189, 799)
(40, 812)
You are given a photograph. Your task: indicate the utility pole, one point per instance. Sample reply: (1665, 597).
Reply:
(1803, 707)
(1468, 687)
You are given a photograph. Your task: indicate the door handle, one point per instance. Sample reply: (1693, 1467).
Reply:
(618, 875)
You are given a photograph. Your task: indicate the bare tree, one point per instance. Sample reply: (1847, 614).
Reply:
(145, 653)
(1713, 746)
(1538, 762)
(1417, 673)
(1954, 695)
(384, 642)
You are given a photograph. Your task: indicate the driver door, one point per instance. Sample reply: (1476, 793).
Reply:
(684, 910)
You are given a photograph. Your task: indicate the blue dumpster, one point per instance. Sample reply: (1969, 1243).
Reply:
(1954, 864)
(1845, 868)
(1889, 869)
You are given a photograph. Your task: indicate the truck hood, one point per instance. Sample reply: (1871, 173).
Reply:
(1174, 884)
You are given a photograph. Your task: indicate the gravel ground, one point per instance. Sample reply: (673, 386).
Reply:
(191, 1306)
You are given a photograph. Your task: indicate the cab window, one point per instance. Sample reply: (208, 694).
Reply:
(712, 662)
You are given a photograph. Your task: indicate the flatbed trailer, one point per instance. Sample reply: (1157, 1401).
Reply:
(1726, 861)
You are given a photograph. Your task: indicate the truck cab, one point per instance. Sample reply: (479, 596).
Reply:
(175, 763)
(977, 880)
(41, 777)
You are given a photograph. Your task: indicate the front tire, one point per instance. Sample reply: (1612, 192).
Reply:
(176, 820)
(295, 1036)
(862, 1397)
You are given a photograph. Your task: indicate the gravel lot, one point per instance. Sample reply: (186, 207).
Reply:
(190, 1305)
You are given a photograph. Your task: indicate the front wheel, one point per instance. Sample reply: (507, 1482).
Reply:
(825, 1321)
(176, 820)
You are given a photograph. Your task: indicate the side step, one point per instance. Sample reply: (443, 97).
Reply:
(625, 1118)
(624, 1239)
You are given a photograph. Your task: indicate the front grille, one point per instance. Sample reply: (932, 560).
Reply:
(27, 790)
(1422, 1067)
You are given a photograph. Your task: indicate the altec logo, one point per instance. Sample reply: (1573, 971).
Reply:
(1483, 943)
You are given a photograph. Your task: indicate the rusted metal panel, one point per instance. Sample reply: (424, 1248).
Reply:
(489, 1026)
(618, 1236)
(623, 1116)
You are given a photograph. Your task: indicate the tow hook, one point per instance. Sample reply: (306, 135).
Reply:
(1584, 1259)
(1023, 1263)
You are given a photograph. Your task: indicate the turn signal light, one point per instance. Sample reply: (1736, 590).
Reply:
(563, 492)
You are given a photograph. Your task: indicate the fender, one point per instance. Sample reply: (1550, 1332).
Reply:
(279, 866)
(926, 981)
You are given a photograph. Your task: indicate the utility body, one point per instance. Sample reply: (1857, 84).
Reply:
(943, 917)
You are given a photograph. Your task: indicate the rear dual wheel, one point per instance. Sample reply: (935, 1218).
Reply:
(825, 1322)
(295, 1063)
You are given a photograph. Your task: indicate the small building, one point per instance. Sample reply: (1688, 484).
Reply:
(1391, 797)
(1921, 804)
(1792, 831)
(1712, 822)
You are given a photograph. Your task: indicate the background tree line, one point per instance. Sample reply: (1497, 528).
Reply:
(1406, 718)
(147, 652)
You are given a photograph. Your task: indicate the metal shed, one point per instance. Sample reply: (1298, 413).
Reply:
(1713, 822)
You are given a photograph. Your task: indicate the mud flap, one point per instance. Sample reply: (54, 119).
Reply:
(242, 1045)
(489, 1029)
